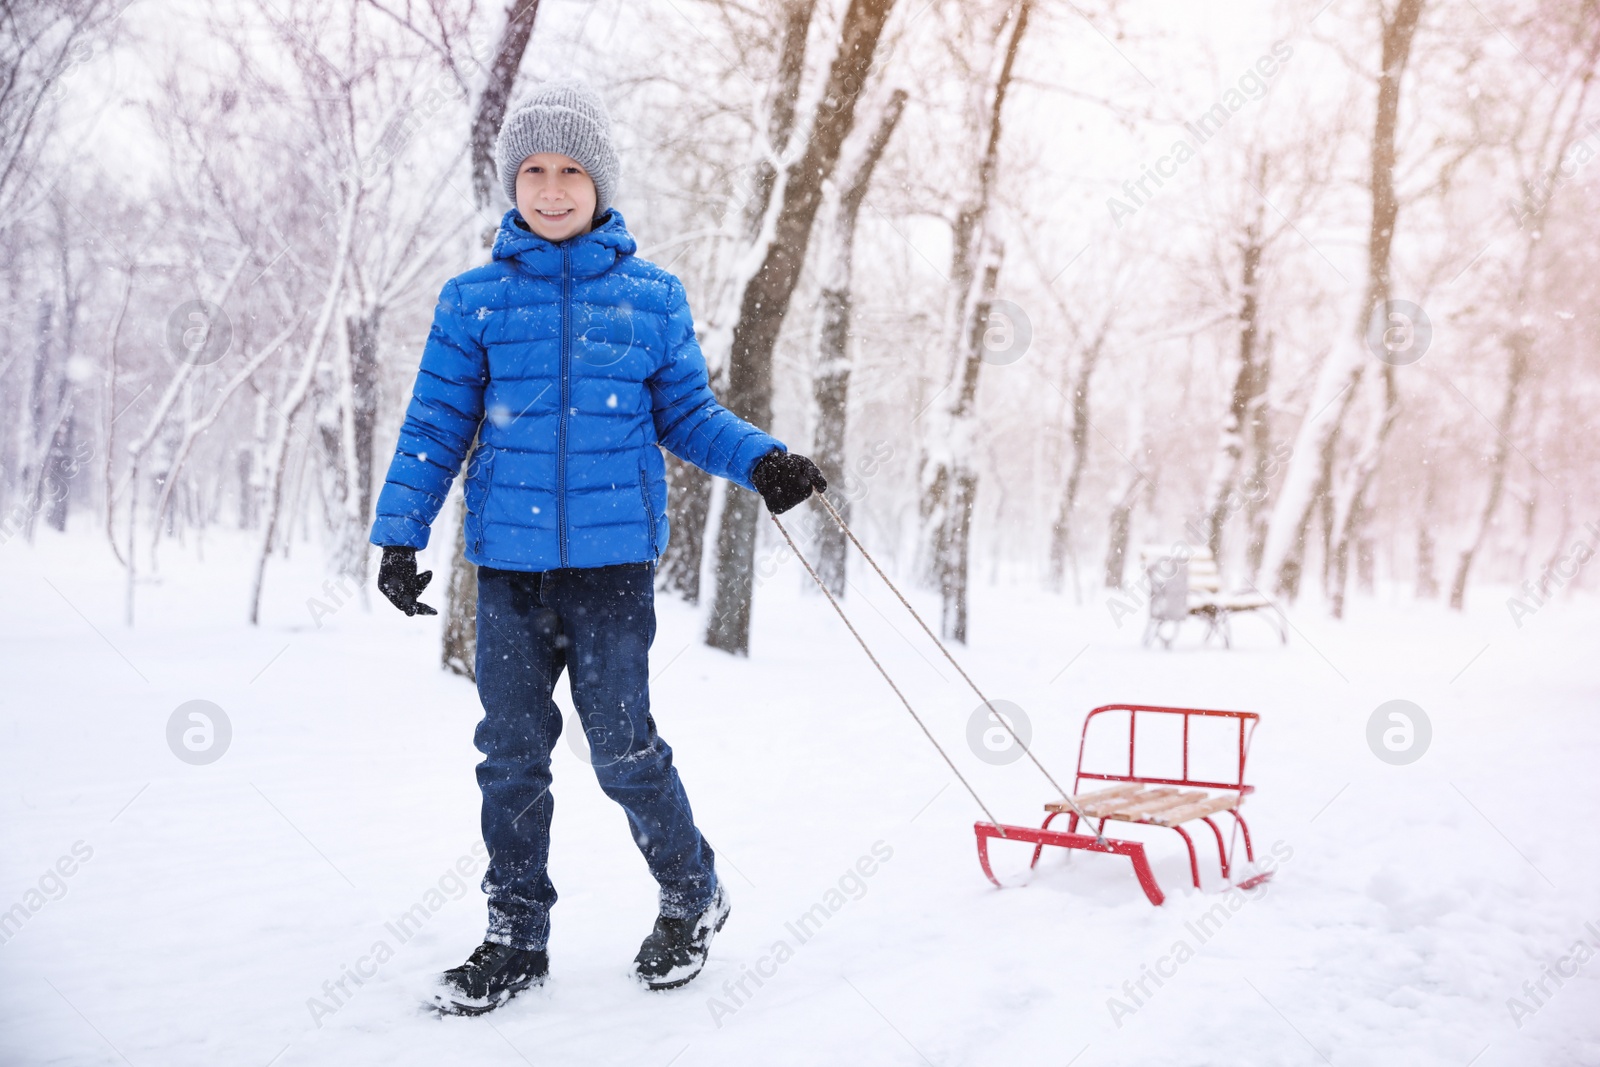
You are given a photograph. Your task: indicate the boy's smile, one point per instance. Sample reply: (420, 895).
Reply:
(555, 196)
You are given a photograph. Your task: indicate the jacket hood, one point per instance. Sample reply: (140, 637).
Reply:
(591, 253)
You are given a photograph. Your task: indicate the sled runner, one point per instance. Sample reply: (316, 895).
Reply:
(1148, 799)
(1170, 802)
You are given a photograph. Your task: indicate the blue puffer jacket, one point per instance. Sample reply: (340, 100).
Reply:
(571, 362)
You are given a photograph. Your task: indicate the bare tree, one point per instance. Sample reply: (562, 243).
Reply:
(1131, 480)
(153, 429)
(298, 393)
(491, 110)
(1521, 339)
(458, 649)
(1262, 456)
(1249, 382)
(1308, 482)
(1297, 173)
(1089, 345)
(743, 251)
(765, 303)
(40, 44)
(830, 383)
(949, 480)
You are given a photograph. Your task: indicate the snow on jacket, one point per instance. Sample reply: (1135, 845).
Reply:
(570, 361)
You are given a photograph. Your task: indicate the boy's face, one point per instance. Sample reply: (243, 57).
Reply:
(555, 195)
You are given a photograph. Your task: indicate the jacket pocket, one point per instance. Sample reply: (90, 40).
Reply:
(649, 509)
(476, 492)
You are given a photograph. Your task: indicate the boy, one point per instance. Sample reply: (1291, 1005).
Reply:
(570, 359)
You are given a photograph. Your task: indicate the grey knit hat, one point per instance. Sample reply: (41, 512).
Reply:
(566, 117)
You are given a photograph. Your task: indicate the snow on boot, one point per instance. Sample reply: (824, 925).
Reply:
(492, 975)
(676, 949)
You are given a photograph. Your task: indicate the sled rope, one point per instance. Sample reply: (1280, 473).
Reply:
(1067, 797)
(931, 740)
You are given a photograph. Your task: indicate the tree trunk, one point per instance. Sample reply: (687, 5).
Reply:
(956, 543)
(58, 469)
(1133, 480)
(508, 53)
(38, 430)
(1061, 529)
(688, 509)
(958, 480)
(293, 402)
(1521, 340)
(830, 384)
(766, 303)
(1309, 480)
(1352, 510)
(460, 646)
(1427, 576)
(948, 477)
(460, 642)
(1118, 529)
(1530, 515)
(831, 390)
(1367, 565)
(1263, 464)
(251, 468)
(363, 334)
(1520, 344)
(57, 465)
(689, 487)
(1248, 384)
(244, 469)
(108, 434)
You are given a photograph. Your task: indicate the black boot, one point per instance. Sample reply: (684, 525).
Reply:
(676, 949)
(492, 975)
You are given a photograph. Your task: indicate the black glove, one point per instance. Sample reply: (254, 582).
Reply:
(785, 479)
(399, 581)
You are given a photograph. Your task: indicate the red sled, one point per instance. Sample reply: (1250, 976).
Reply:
(1139, 798)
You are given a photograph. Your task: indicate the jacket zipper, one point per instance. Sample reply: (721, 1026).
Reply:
(485, 470)
(649, 510)
(566, 399)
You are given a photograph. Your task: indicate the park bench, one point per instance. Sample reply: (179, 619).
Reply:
(1186, 586)
(1138, 792)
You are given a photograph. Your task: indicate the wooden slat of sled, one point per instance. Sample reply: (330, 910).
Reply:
(1132, 802)
(1098, 804)
(1198, 809)
(1156, 800)
(1113, 807)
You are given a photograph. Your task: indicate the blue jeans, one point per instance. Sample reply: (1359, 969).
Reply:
(599, 623)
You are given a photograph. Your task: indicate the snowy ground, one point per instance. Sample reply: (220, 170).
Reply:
(216, 900)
